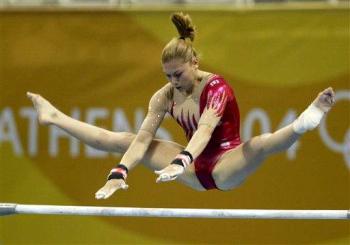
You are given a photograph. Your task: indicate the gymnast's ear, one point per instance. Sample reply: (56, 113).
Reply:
(194, 62)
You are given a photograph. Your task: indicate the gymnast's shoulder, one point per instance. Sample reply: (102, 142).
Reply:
(162, 97)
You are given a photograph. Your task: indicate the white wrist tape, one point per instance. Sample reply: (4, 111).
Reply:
(186, 160)
(119, 170)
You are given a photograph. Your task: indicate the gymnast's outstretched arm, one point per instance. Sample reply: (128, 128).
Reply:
(139, 146)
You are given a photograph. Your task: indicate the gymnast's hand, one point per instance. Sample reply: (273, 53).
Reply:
(176, 168)
(110, 187)
(115, 181)
(169, 173)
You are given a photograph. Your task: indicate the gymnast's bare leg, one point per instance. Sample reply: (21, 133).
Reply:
(236, 165)
(158, 156)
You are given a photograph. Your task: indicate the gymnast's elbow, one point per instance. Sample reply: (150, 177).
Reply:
(140, 144)
(144, 137)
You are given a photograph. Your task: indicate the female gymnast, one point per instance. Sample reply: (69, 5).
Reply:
(205, 106)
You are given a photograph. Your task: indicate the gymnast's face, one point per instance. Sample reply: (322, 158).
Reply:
(182, 75)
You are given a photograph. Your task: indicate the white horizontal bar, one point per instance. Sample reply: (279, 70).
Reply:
(7, 209)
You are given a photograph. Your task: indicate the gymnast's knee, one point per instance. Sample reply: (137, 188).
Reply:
(127, 135)
(120, 140)
(255, 148)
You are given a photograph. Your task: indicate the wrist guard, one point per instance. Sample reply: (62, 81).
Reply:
(119, 172)
(184, 159)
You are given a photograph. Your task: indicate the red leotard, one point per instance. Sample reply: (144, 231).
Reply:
(226, 133)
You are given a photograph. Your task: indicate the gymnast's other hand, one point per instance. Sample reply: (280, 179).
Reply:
(110, 187)
(176, 168)
(169, 173)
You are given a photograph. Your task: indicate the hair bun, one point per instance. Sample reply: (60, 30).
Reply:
(184, 25)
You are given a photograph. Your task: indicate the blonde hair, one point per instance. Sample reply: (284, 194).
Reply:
(181, 47)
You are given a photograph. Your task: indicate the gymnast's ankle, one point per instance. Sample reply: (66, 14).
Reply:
(308, 120)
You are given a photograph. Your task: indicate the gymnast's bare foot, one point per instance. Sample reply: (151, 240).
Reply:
(46, 112)
(325, 99)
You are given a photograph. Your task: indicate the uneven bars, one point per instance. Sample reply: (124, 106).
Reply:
(11, 208)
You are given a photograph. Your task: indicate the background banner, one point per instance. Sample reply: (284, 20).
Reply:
(102, 67)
